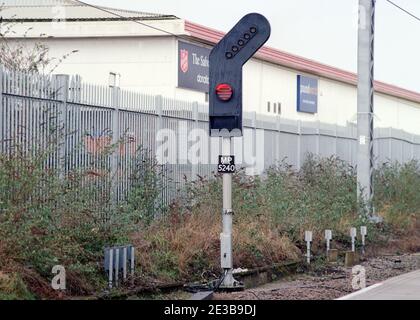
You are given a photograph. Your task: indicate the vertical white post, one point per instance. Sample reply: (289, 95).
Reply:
(413, 141)
(308, 252)
(226, 236)
(353, 234)
(318, 138)
(159, 126)
(308, 239)
(1, 108)
(278, 135)
(363, 232)
(132, 263)
(365, 104)
(194, 167)
(115, 143)
(63, 97)
(125, 263)
(390, 144)
(111, 267)
(328, 237)
(117, 265)
(336, 140)
(299, 145)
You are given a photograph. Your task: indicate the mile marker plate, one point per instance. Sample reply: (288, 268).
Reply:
(226, 164)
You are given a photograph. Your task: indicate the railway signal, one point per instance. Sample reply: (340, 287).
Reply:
(226, 61)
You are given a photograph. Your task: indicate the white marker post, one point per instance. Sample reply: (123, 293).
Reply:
(111, 267)
(125, 263)
(328, 238)
(353, 234)
(363, 232)
(308, 239)
(227, 168)
(117, 265)
(132, 264)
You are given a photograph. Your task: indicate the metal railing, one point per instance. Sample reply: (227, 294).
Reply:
(93, 117)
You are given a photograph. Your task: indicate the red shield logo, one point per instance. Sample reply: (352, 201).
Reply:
(184, 61)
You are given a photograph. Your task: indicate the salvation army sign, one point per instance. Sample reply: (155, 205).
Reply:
(307, 94)
(193, 67)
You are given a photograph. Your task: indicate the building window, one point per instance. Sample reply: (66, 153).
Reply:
(275, 108)
(268, 106)
(206, 97)
(279, 108)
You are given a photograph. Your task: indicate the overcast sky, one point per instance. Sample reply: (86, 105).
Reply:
(322, 30)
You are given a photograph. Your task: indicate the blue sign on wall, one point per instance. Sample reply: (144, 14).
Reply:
(307, 94)
(193, 67)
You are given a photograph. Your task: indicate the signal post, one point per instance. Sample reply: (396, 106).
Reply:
(226, 62)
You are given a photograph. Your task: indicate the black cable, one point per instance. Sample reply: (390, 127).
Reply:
(404, 10)
(221, 281)
(194, 288)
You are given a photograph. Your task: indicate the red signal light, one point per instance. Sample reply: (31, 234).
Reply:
(224, 91)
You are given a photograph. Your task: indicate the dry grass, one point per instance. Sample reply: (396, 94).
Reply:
(185, 246)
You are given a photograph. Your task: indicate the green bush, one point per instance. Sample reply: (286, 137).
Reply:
(397, 195)
(49, 218)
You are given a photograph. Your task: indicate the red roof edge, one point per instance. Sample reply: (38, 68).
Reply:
(301, 64)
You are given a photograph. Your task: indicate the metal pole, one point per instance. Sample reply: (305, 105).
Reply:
(125, 263)
(132, 264)
(63, 97)
(111, 267)
(365, 103)
(117, 265)
(116, 144)
(226, 236)
(2, 111)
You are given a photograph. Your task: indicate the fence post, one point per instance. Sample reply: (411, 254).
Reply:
(278, 127)
(412, 146)
(336, 140)
(62, 97)
(115, 143)
(75, 89)
(194, 167)
(1, 108)
(390, 144)
(254, 136)
(401, 141)
(318, 138)
(159, 126)
(299, 142)
(351, 142)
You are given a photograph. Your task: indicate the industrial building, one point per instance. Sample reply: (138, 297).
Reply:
(166, 55)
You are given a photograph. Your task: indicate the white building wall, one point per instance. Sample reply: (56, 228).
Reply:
(150, 65)
(146, 64)
(337, 101)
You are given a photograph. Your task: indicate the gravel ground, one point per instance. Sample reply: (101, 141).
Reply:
(327, 283)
